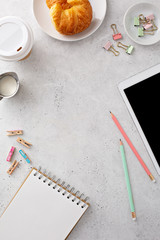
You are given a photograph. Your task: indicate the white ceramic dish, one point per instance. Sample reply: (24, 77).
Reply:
(41, 13)
(132, 31)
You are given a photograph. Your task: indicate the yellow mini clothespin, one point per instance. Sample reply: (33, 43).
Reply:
(14, 132)
(128, 49)
(24, 143)
(12, 167)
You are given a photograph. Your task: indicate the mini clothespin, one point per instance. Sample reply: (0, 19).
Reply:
(23, 142)
(136, 21)
(10, 154)
(142, 32)
(128, 49)
(116, 34)
(12, 167)
(25, 156)
(109, 47)
(15, 132)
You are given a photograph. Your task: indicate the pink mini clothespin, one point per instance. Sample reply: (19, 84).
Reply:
(116, 35)
(10, 154)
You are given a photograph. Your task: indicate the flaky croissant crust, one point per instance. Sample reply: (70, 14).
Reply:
(70, 16)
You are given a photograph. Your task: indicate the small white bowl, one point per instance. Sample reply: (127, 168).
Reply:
(134, 11)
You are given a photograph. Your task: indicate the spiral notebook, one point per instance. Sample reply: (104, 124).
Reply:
(42, 209)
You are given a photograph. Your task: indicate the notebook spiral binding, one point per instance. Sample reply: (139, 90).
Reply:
(61, 187)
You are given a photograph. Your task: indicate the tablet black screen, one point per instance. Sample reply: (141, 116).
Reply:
(144, 98)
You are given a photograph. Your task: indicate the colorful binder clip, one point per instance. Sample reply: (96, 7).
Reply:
(154, 28)
(128, 49)
(142, 19)
(10, 154)
(24, 143)
(12, 167)
(116, 34)
(136, 21)
(142, 32)
(15, 132)
(150, 17)
(25, 156)
(147, 26)
(109, 47)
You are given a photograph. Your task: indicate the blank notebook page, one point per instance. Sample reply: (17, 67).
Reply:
(39, 212)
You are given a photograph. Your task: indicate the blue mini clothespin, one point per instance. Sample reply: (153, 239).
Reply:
(24, 155)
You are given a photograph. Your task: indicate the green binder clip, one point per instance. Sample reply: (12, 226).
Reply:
(136, 21)
(128, 49)
(140, 32)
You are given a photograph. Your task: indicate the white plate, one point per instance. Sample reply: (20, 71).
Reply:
(41, 12)
(146, 9)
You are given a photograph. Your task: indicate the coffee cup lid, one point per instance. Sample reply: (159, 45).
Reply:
(14, 37)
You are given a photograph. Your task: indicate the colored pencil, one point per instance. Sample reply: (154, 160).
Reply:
(127, 181)
(132, 147)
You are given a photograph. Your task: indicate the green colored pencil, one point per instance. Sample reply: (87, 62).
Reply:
(127, 181)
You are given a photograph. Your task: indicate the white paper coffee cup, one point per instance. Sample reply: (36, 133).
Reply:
(16, 39)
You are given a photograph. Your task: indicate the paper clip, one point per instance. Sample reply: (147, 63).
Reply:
(25, 156)
(23, 142)
(15, 132)
(116, 34)
(142, 32)
(128, 49)
(136, 21)
(110, 48)
(10, 154)
(12, 167)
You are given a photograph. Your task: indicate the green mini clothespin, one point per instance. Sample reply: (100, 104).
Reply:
(128, 49)
(136, 21)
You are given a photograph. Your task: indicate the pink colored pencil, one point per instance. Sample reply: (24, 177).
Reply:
(132, 147)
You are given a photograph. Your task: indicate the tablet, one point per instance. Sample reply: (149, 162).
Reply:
(141, 93)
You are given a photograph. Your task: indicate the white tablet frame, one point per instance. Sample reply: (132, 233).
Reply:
(130, 82)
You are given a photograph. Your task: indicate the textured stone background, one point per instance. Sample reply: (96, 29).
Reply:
(66, 93)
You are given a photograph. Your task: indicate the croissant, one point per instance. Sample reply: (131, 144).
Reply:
(70, 16)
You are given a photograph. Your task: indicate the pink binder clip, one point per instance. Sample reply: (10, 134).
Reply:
(10, 154)
(109, 47)
(150, 17)
(116, 34)
(147, 25)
